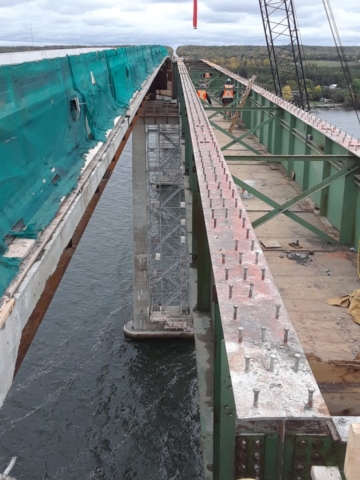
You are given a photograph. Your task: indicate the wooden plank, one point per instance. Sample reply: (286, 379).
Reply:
(5, 310)
(352, 458)
(342, 403)
(242, 102)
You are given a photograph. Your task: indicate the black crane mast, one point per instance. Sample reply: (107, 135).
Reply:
(284, 49)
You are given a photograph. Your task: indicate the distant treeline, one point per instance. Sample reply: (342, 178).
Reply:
(322, 67)
(195, 52)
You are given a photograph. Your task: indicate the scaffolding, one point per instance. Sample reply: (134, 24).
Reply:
(167, 238)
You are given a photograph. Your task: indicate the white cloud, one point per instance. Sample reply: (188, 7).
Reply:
(95, 22)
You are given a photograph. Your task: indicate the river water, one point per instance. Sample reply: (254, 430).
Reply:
(87, 403)
(344, 119)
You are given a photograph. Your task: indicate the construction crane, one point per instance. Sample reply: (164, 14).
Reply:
(284, 49)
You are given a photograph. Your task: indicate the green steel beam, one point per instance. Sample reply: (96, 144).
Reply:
(287, 158)
(306, 167)
(249, 132)
(216, 112)
(213, 89)
(242, 109)
(308, 143)
(224, 408)
(287, 213)
(188, 146)
(326, 171)
(261, 133)
(348, 212)
(201, 253)
(307, 193)
(239, 140)
(277, 143)
(291, 144)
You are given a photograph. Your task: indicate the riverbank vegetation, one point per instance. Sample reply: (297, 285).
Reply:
(322, 68)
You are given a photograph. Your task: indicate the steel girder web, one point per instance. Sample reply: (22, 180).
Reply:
(236, 139)
(284, 208)
(244, 135)
(284, 49)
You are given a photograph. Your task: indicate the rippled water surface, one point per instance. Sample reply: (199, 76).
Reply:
(345, 119)
(87, 403)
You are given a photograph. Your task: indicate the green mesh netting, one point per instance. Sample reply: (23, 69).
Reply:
(42, 147)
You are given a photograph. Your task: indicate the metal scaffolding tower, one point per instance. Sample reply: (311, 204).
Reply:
(168, 257)
(284, 49)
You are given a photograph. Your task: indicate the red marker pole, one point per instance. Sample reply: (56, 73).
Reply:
(195, 15)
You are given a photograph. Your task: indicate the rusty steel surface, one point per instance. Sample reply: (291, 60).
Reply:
(247, 293)
(163, 108)
(336, 134)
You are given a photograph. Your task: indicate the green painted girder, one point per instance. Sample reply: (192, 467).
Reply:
(287, 213)
(197, 78)
(287, 158)
(216, 89)
(216, 112)
(240, 109)
(248, 132)
(224, 407)
(306, 193)
(239, 140)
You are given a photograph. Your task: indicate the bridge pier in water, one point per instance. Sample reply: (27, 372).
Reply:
(161, 283)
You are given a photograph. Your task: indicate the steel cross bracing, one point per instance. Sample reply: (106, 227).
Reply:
(282, 39)
(334, 133)
(168, 262)
(247, 295)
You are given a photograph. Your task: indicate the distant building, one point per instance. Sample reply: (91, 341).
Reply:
(333, 85)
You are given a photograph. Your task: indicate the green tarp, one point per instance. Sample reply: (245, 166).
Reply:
(42, 142)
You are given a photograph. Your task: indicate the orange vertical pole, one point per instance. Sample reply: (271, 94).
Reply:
(195, 14)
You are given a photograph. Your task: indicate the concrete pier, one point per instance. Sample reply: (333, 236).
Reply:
(140, 231)
(160, 275)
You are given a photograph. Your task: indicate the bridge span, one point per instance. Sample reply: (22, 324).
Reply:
(202, 271)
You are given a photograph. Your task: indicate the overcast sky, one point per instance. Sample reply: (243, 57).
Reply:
(220, 22)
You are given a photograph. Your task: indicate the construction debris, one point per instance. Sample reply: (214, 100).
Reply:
(351, 302)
